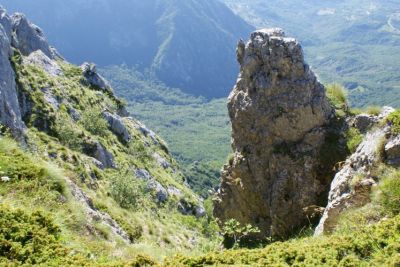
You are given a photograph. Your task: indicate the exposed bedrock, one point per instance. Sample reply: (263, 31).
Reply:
(279, 114)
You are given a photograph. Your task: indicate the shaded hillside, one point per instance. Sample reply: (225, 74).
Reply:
(187, 44)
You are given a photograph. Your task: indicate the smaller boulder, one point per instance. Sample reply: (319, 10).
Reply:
(392, 151)
(143, 174)
(161, 192)
(89, 71)
(173, 191)
(96, 150)
(161, 161)
(199, 212)
(363, 122)
(117, 126)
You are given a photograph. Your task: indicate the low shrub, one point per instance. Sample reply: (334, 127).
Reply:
(394, 120)
(375, 245)
(337, 95)
(127, 191)
(389, 193)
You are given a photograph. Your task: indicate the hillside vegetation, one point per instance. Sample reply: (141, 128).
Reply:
(131, 200)
(197, 131)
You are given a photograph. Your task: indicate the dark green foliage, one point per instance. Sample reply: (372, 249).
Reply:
(67, 133)
(28, 238)
(201, 176)
(375, 245)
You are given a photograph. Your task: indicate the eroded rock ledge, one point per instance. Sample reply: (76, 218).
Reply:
(279, 115)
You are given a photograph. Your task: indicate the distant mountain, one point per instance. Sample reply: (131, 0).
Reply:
(189, 44)
(353, 42)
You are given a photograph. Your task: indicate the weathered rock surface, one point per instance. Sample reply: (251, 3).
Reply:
(352, 185)
(161, 161)
(96, 150)
(10, 113)
(117, 126)
(27, 37)
(40, 59)
(363, 122)
(279, 112)
(392, 151)
(89, 71)
(5, 22)
(153, 185)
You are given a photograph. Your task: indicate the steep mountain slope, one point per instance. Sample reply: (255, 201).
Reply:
(81, 179)
(179, 41)
(197, 130)
(352, 42)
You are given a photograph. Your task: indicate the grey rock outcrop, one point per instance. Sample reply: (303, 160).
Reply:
(152, 184)
(352, 185)
(103, 155)
(363, 122)
(160, 191)
(10, 113)
(27, 37)
(40, 59)
(89, 71)
(5, 22)
(392, 151)
(117, 126)
(279, 112)
(161, 161)
(95, 215)
(143, 174)
(187, 208)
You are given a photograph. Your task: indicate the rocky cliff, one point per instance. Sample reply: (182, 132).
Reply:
(353, 184)
(279, 115)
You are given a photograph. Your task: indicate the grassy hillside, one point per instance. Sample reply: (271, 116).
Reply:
(197, 131)
(70, 207)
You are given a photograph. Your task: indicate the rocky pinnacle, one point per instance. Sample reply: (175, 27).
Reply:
(279, 114)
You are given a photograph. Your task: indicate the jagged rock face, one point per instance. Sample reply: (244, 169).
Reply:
(278, 111)
(352, 185)
(10, 114)
(28, 38)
